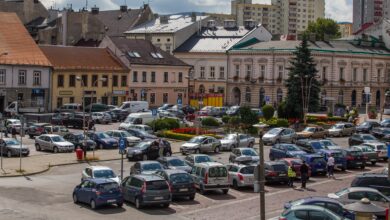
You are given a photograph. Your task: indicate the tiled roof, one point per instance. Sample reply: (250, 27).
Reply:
(18, 44)
(145, 49)
(117, 21)
(82, 58)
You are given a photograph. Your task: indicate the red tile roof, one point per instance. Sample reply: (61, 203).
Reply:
(17, 44)
(82, 58)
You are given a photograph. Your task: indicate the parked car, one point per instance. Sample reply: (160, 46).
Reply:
(368, 152)
(355, 158)
(180, 183)
(145, 190)
(233, 111)
(313, 132)
(210, 176)
(382, 134)
(279, 135)
(329, 144)
(148, 150)
(55, 129)
(341, 129)
(98, 192)
(385, 123)
(79, 140)
(102, 140)
(101, 117)
(114, 116)
(385, 171)
(244, 155)
(279, 151)
(146, 167)
(340, 161)
(230, 141)
(164, 107)
(200, 144)
(380, 148)
(144, 128)
(219, 111)
(309, 212)
(99, 172)
(194, 159)
(358, 139)
(11, 147)
(316, 162)
(373, 180)
(188, 109)
(275, 172)
(96, 107)
(13, 123)
(310, 146)
(53, 142)
(76, 120)
(70, 107)
(118, 134)
(296, 164)
(174, 163)
(141, 134)
(355, 194)
(36, 129)
(241, 175)
(367, 126)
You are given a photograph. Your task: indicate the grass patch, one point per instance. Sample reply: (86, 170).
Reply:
(20, 171)
(92, 158)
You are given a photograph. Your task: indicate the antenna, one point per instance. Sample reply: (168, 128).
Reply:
(86, 5)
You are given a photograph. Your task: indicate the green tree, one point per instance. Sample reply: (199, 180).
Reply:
(248, 117)
(323, 26)
(268, 112)
(302, 75)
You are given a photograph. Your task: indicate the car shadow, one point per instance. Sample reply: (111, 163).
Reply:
(105, 210)
(219, 196)
(184, 201)
(153, 210)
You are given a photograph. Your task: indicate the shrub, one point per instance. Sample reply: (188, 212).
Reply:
(210, 121)
(183, 137)
(252, 130)
(248, 117)
(268, 112)
(164, 124)
(281, 122)
(225, 119)
(234, 121)
(329, 114)
(282, 110)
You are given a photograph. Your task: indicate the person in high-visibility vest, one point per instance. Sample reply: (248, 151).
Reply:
(291, 176)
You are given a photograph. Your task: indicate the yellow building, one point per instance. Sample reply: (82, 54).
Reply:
(345, 29)
(90, 72)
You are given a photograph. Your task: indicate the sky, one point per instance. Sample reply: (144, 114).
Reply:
(339, 10)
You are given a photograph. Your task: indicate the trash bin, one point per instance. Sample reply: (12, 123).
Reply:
(79, 153)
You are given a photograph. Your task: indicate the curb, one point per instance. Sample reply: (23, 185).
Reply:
(27, 174)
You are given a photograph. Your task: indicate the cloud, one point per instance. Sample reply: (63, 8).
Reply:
(340, 11)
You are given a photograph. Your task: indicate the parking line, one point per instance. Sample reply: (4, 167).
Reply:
(236, 193)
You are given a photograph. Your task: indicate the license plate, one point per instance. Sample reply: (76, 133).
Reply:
(111, 200)
(320, 169)
(158, 198)
(183, 190)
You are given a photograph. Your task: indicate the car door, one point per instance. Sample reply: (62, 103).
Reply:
(153, 151)
(126, 188)
(352, 197)
(46, 143)
(377, 199)
(82, 193)
(206, 145)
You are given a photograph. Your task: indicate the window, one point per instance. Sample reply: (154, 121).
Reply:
(152, 98)
(248, 95)
(364, 75)
(59, 102)
(356, 195)
(248, 70)
(379, 74)
(316, 215)
(168, 48)
(2, 76)
(60, 81)
(354, 74)
(166, 77)
(180, 77)
(153, 77)
(72, 80)
(22, 78)
(202, 72)
(165, 97)
(212, 72)
(115, 81)
(84, 79)
(280, 72)
(94, 82)
(104, 82)
(221, 72)
(37, 78)
(341, 97)
(124, 81)
(71, 99)
(143, 76)
(388, 75)
(262, 71)
(237, 70)
(341, 73)
(135, 76)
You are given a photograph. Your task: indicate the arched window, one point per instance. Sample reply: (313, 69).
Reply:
(236, 96)
(340, 99)
(279, 96)
(353, 98)
(202, 89)
(262, 97)
(248, 95)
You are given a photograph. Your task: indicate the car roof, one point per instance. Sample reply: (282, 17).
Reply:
(148, 177)
(209, 164)
(101, 180)
(147, 162)
(240, 165)
(245, 148)
(306, 207)
(99, 168)
(171, 158)
(371, 175)
(358, 189)
(173, 171)
(51, 135)
(197, 155)
(374, 143)
(319, 198)
(275, 162)
(312, 155)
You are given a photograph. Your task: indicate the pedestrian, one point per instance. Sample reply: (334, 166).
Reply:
(291, 176)
(330, 166)
(5, 129)
(304, 174)
(84, 148)
(296, 125)
(161, 146)
(13, 132)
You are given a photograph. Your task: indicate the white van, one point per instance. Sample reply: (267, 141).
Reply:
(210, 176)
(141, 118)
(134, 106)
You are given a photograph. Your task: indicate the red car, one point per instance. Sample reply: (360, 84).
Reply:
(296, 164)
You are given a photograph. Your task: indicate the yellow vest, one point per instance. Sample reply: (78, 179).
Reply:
(291, 173)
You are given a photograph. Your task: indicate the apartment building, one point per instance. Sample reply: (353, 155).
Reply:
(345, 29)
(369, 12)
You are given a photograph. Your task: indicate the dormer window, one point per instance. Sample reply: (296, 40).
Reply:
(133, 54)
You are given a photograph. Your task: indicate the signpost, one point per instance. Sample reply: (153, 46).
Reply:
(267, 99)
(367, 94)
(154, 114)
(179, 101)
(122, 150)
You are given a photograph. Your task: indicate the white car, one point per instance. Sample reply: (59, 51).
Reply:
(380, 148)
(13, 123)
(101, 117)
(118, 134)
(145, 128)
(53, 142)
(99, 172)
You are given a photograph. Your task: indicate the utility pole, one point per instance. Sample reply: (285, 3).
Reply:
(21, 143)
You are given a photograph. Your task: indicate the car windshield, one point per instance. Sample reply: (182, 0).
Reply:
(248, 170)
(151, 166)
(181, 178)
(12, 142)
(368, 137)
(106, 187)
(386, 131)
(337, 154)
(337, 126)
(104, 174)
(342, 192)
(196, 140)
(248, 152)
(142, 145)
(102, 135)
(274, 131)
(218, 172)
(309, 129)
(125, 134)
(380, 147)
(230, 137)
(327, 143)
(279, 167)
(176, 163)
(57, 139)
(130, 120)
(318, 160)
(202, 159)
(157, 185)
(317, 145)
(79, 136)
(234, 108)
(365, 124)
(291, 147)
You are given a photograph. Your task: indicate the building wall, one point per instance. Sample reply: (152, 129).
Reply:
(27, 10)
(345, 29)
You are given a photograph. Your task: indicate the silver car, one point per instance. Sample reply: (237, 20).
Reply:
(118, 134)
(241, 175)
(341, 129)
(200, 144)
(53, 142)
(279, 135)
(101, 117)
(231, 141)
(11, 147)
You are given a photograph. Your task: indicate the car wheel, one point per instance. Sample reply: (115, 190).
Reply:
(38, 147)
(225, 191)
(235, 184)
(93, 204)
(119, 204)
(144, 157)
(197, 151)
(216, 150)
(55, 150)
(138, 203)
(31, 136)
(9, 154)
(343, 169)
(75, 199)
(373, 163)
(250, 145)
(192, 197)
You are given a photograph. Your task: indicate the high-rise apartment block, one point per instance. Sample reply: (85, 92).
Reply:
(281, 17)
(368, 12)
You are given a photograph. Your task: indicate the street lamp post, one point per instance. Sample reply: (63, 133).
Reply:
(305, 90)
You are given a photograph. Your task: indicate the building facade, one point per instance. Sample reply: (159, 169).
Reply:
(345, 29)
(24, 70)
(369, 12)
(155, 75)
(92, 74)
(257, 73)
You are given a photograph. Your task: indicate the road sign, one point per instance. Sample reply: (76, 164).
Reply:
(388, 152)
(267, 99)
(122, 145)
(179, 101)
(367, 90)
(154, 112)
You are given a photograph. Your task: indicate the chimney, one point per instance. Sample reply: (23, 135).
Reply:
(95, 10)
(64, 27)
(193, 17)
(249, 24)
(164, 19)
(123, 8)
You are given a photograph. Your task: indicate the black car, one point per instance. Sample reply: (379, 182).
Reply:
(279, 151)
(120, 114)
(373, 180)
(367, 126)
(76, 120)
(141, 134)
(275, 172)
(358, 139)
(310, 146)
(146, 167)
(355, 158)
(77, 139)
(181, 183)
(382, 134)
(188, 109)
(174, 163)
(148, 150)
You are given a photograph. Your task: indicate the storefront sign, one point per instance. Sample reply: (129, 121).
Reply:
(119, 92)
(66, 93)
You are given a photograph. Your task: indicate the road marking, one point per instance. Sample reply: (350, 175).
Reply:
(236, 193)
(177, 205)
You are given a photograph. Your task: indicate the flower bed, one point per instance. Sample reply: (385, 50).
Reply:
(192, 131)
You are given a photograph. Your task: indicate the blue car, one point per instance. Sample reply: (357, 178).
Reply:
(310, 146)
(316, 162)
(279, 151)
(339, 159)
(98, 192)
(328, 203)
(103, 141)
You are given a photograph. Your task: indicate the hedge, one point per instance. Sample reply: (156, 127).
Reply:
(164, 124)
(276, 122)
(183, 137)
(210, 122)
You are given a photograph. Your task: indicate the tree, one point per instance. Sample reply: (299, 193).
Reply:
(323, 26)
(268, 112)
(248, 117)
(302, 74)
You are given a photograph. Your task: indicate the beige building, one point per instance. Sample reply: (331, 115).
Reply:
(257, 73)
(345, 29)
